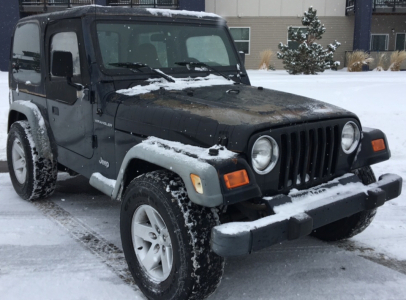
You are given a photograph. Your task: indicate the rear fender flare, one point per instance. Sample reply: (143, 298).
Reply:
(38, 126)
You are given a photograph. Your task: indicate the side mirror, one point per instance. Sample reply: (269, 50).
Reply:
(242, 57)
(62, 64)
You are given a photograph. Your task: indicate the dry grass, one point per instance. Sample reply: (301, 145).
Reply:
(396, 59)
(266, 57)
(357, 59)
(381, 62)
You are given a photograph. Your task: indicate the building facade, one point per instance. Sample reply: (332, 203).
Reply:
(257, 25)
(369, 25)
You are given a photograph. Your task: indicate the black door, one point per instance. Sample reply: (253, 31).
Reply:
(69, 110)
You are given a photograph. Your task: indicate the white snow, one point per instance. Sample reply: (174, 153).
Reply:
(4, 106)
(179, 84)
(187, 150)
(171, 13)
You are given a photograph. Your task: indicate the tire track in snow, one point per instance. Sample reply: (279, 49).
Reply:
(108, 253)
(376, 257)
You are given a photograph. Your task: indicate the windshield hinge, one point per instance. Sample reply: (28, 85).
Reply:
(94, 141)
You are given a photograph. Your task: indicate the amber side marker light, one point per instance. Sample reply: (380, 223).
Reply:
(236, 179)
(197, 183)
(378, 145)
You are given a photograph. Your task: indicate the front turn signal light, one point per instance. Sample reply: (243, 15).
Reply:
(378, 145)
(197, 183)
(236, 179)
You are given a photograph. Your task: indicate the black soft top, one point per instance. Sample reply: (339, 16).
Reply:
(105, 11)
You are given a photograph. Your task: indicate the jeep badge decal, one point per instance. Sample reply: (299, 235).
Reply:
(104, 162)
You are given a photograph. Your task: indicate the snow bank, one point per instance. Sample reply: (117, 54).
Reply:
(178, 85)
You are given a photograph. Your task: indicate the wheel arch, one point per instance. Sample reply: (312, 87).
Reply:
(41, 132)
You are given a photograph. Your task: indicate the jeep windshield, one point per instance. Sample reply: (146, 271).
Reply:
(163, 46)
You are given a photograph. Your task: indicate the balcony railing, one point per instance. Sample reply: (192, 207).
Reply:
(380, 6)
(28, 7)
(145, 3)
(65, 3)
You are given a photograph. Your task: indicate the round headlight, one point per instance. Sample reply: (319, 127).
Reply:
(265, 154)
(350, 137)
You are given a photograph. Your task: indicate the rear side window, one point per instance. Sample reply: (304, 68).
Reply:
(68, 42)
(27, 54)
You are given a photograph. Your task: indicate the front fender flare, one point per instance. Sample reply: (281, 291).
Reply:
(181, 164)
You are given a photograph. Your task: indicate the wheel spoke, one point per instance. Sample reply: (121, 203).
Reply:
(151, 260)
(166, 260)
(19, 149)
(143, 231)
(19, 164)
(153, 218)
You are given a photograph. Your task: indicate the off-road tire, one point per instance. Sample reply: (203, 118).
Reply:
(40, 180)
(352, 225)
(196, 270)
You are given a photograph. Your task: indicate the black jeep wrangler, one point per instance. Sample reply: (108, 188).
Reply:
(155, 107)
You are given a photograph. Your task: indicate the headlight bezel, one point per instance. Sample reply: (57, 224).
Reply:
(357, 137)
(274, 155)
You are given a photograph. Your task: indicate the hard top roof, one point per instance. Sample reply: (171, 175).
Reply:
(103, 11)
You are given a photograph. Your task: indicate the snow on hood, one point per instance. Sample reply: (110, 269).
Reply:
(179, 84)
(200, 153)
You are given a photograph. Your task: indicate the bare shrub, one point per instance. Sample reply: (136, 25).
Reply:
(396, 59)
(381, 62)
(266, 57)
(357, 59)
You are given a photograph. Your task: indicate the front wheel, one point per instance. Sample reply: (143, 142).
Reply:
(166, 239)
(352, 225)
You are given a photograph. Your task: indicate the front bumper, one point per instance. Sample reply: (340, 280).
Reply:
(298, 214)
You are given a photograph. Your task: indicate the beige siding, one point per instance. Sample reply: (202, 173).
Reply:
(268, 32)
(274, 8)
(383, 24)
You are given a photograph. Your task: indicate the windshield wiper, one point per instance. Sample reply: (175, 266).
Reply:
(137, 66)
(200, 65)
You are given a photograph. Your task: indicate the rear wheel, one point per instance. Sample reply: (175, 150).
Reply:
(166, 239)
(352, 225)
(33, 177)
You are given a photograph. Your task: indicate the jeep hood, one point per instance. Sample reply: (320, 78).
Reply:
(200, 116)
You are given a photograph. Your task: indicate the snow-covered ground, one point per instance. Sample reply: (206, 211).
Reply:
(43, 256)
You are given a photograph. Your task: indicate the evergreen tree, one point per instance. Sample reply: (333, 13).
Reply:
(310, 57)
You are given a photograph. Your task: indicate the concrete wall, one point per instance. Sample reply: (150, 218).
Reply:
(268, 32)
(383, 24)
(274, 8)
(9, 15)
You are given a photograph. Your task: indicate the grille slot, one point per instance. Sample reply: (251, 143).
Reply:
(307, 156)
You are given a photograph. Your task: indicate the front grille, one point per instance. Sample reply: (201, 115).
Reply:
(308, 156)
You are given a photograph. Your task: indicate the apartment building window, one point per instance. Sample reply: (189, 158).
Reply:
(242, 38)
(293, 44)
(379, 42)
(400, 41)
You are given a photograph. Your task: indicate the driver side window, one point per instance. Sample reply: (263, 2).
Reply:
(68, 42)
